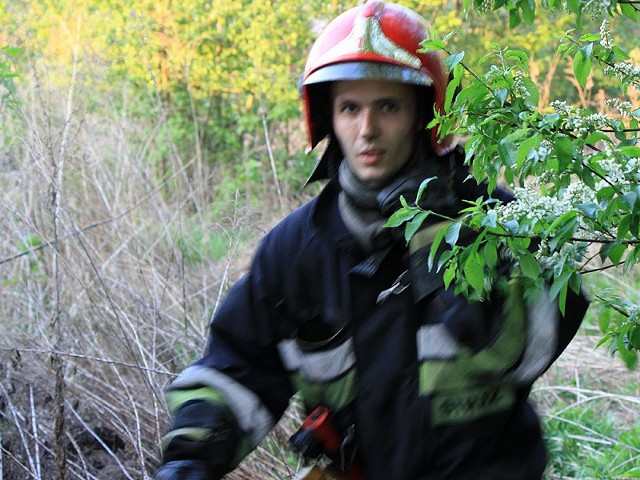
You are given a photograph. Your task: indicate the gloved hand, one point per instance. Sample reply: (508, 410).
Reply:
(185, 470)
(201, 443)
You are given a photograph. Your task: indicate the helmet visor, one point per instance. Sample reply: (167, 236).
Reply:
(369, 71)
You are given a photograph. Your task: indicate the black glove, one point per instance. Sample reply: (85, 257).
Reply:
(185, 470)
(201, 444)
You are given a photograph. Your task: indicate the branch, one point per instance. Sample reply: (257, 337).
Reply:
(86, 357)
(77, 231)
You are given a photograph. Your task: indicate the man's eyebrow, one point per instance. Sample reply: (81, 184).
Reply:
(345, 97)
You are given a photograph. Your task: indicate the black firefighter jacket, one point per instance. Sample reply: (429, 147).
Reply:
(428, 389)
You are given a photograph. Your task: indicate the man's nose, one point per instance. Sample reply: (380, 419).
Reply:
(369, 127)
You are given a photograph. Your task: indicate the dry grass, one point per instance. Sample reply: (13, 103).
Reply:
(100, 302)
(596, 398)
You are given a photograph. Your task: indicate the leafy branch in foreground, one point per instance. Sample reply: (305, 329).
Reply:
(575, 172)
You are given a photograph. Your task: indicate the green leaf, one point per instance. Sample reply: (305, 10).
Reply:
(631, 151)
(589, 209)
(532, 88)
(590, 37)
(423, 187)
(452, 60)
(434, 247)
(596, 137)
(604, 319)
(490, 254)
(429, 45)
(508, 152)
(629, 357)
(564, 152)
(630, 11)
(401, 216)
(13, 51)
(560, 283)
(452, 87)
(490, 219)
(605, 194)
(474, 272)
(630, 199)
(624, 224)
(606, 338)
(526, 147)
(501, 95)
(449, 275)
(446, 38)
(528, 11)
(29, 243)
(634, 337)
(511, 226)
(613, 251)
(416, 222)
(581, 67)
(562, 300)
(635, 471)
(529, 265)
(453, 232)
(522, 59)
(514, 18)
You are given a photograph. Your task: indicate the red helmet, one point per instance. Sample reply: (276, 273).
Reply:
(378, 41)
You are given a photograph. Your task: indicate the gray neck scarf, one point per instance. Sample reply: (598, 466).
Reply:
(365, 209)
(360, 211)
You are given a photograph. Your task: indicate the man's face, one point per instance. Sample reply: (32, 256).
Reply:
(375, 123)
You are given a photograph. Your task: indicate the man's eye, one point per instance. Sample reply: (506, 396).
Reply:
(388, 107)
(348, 108)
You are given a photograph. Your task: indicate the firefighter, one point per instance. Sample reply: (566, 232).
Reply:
(419, 383)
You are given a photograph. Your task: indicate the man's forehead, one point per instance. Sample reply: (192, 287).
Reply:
(372, 89)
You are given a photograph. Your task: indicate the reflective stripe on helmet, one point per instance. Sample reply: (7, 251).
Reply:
(367, 37)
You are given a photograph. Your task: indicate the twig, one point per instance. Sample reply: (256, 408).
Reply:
(77, 231)
(271, 158)
(100, 441)
(34, 428)
(87, 357)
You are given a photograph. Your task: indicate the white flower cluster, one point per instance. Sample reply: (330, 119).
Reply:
(544, 150)
(620, 172)
(485, 6)
(605, 34)
(578, 192)
(625, 71)
(521, 89)
(568, 253)
(561, 107)
(576, 121)
(532, 206)
(536, 208)
(519, 85)
(625, 108)
(582, 125)
(634, 312)
(595, 8)
(495, 70)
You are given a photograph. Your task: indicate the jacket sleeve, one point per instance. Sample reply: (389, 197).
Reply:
(240, 374)
(547, 331)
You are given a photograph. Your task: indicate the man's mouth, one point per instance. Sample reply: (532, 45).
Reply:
(372, 155)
